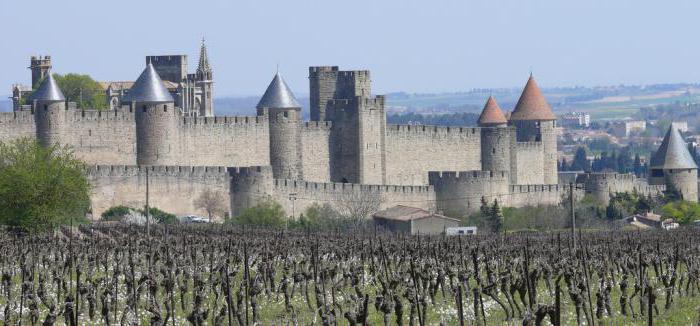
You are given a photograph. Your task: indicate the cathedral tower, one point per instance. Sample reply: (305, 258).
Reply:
(49, 106)
(284, 116)
(206, 82)
(156, 120)
(673, 166)
(496, 138)
(535, 122)
(40, 67)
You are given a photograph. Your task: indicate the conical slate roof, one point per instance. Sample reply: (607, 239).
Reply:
(148, 88)
(673, 153)
(48, 90)
(492, 114)
(532, 105)
(278, 95)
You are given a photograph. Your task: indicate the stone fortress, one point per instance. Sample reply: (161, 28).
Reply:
(346, 153)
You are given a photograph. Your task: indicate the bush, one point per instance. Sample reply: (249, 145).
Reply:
(266, 214)
(116, 213)
(41, 187)
(325, 218)
(683, 212)
(160, 216)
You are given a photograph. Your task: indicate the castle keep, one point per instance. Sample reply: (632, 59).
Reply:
(345, 153)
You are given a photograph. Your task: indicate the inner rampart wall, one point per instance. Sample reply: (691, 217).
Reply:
(412, 151)
(16, 124)
(102, 137)
(224, 141)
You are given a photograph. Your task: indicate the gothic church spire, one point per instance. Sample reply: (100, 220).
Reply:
(203, 69)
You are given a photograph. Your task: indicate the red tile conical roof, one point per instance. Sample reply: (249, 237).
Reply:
(532, 105)
(492, 114)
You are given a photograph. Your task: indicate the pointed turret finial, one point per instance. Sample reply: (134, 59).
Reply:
(278, 95)
(673, 152)
(148, 88)
(492, 115)
(532, 104)
(48, 90)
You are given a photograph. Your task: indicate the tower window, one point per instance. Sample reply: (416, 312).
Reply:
(286, 114)
(46, 107)
(165, 108)
(144, 109)
(493, 150)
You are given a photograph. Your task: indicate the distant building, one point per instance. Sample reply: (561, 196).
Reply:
(650, 220)
(575, 119)
(412, 220)
(625, 128)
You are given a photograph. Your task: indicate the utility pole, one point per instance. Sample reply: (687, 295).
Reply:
(573, 214)
(148, 220)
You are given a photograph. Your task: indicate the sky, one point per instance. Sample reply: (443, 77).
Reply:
(411, 46)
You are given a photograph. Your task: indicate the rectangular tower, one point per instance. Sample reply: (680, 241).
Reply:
(169, 67)
(328, 83)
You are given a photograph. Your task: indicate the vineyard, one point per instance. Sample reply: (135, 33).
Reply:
(220, 275)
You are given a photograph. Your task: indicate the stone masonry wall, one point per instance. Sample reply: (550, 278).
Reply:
(528, 163)
(412, 151)
(224, 141)
(171, 188)
(102, 137)
(334, 194)
(315, 156)
(17, 124)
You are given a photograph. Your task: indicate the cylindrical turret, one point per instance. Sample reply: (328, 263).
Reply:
(49, 112)
(284, 116)
(156, 120)
(673, 166)
(496, 138)
(249, 186)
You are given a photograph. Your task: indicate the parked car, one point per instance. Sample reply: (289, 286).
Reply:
(194, 219)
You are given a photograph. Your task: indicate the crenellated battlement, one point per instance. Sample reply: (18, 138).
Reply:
(307, 186)
(250, 171)
(322, 69)
(349, 74)
(224, 120)
(96, 171)
(609, 177)
(435, 177)
(430, 129)
(317, 125)
(17, 117)
(78, 116)
(520, 189)
(529, 145)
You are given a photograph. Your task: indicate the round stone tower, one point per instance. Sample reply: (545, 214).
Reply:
(156, 120)
(284, 116)
(534, 122)
(496, 138)
(673, 166)
(49, 112)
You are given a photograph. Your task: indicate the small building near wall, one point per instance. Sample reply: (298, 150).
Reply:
(412, 220)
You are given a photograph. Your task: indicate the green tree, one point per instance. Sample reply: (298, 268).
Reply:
(83, 90)
(40, 187)
(496, 217)
(160, 216)
(683, 212)
(268, 213)
(580, 162)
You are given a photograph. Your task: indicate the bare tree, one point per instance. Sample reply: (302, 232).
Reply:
(358, 205)
(211, 201)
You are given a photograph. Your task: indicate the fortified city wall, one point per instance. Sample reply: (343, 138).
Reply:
(340, 195)
(528, 162)
(603, 185)
(412, 151)
(315, 141)
(16, 124)
(224, 141)
(171, 188)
